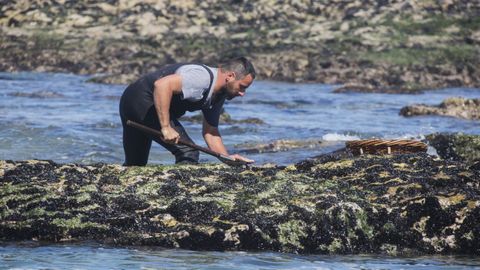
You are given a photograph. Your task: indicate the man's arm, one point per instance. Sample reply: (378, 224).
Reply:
(164, 89)
(213, 138)
(214, 141)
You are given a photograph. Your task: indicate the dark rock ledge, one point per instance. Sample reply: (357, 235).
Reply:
(394, 204)
(454, 106)
(457, 146)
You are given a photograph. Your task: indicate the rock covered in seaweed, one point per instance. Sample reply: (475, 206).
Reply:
(456, 146)
(392, 204)
(225, 118)
(278, 146)
(454, 106)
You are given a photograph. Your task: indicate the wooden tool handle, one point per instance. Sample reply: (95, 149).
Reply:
(158, 134)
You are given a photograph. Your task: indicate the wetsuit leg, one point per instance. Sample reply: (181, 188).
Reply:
(136, 146)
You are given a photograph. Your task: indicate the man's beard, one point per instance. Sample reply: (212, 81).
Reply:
(227, 94)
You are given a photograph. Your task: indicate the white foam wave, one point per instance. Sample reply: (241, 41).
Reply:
(339, 137)
(408, 136)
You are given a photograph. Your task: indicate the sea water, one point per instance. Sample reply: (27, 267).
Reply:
(90, 256)
(62, 117)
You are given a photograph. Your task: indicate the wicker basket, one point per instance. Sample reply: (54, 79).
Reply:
(382, 147)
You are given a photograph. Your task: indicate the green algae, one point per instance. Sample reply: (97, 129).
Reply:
(434, 25)
(336, 246)
(363, 225)
(291, 234)
(76, 223)
(88, 208)
(334, 165)
(456, 146)
(87, 188)
(83, 197)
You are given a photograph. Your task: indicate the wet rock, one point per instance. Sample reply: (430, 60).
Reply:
(454, 106)
(114, 79)
(366, 88)
(398, 204)
(456, 146)
(278, 146)
(225, 118)
(37, 94)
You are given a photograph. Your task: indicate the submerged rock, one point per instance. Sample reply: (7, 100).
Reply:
(278, 146)
(114, 79)
(366, 88)
(38, 94)
(369, 204)
(454, 106)
(456, 146)
(225, 118)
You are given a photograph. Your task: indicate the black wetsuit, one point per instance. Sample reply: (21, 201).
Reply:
(137, 105)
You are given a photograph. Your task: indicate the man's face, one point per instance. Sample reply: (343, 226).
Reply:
(235, 88)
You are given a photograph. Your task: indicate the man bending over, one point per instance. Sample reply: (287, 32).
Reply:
(158, 99)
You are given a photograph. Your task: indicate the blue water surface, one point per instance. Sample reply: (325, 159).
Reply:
(66, 119)
(88, 256)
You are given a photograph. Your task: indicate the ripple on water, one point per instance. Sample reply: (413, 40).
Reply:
(37, 94)
(105, 125)
(103, 257)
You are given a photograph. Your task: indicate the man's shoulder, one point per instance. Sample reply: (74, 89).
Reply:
(194, 74)
(195, 69)
(196, 79)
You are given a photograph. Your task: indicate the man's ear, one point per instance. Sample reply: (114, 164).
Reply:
(230, 76)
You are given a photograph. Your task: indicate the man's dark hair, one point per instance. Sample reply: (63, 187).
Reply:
(241, 66)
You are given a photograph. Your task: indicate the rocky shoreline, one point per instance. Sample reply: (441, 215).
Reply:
(372, 46)
(333, 204)
(457, 146)
(455, 107)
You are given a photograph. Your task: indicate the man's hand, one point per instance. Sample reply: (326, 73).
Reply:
(170, 135)
(238, 157)
(164, 89)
